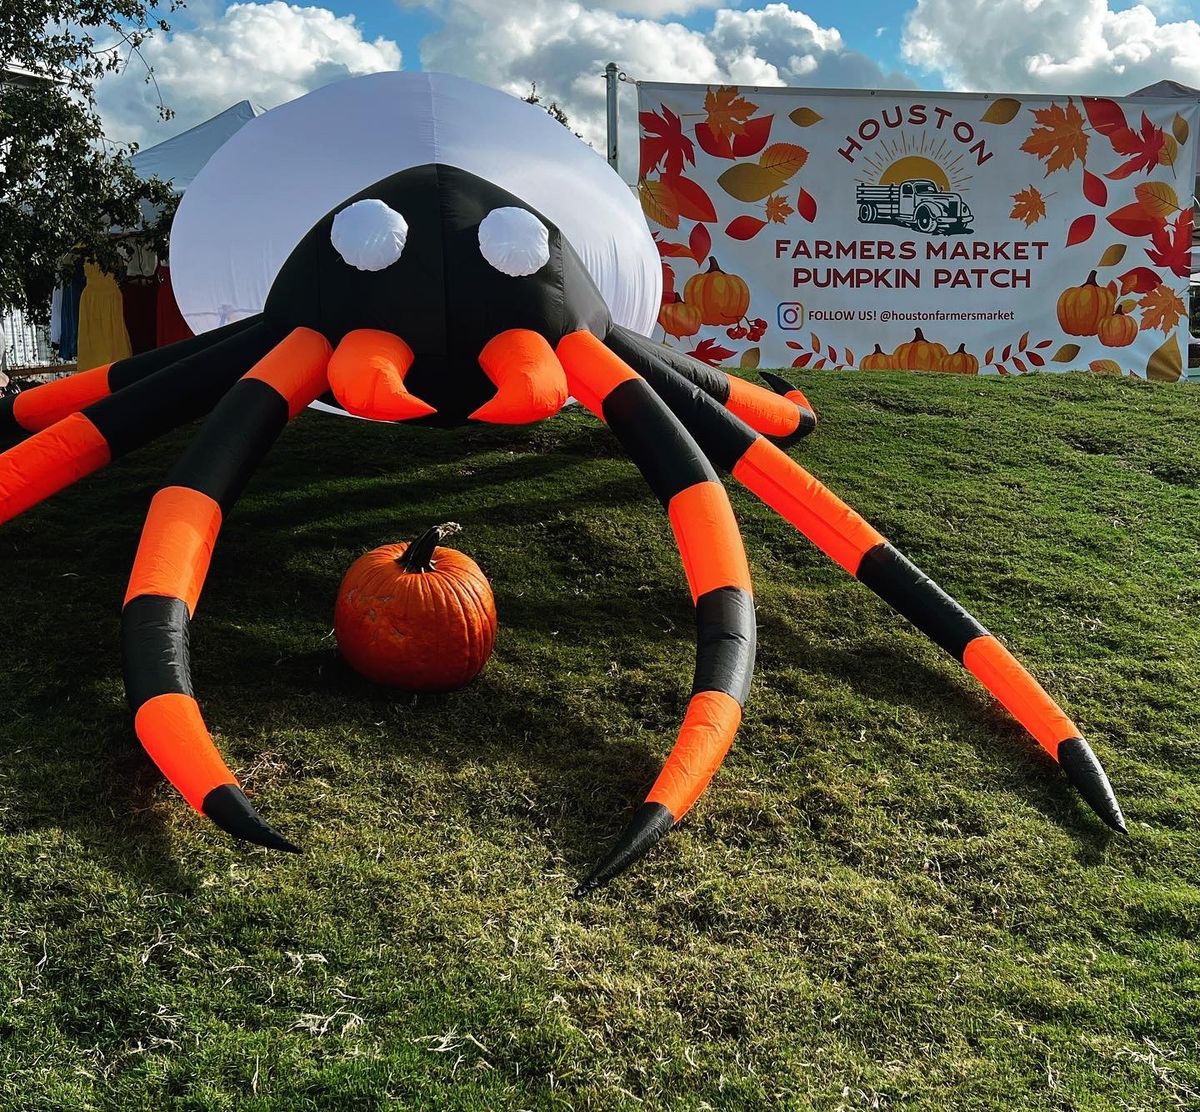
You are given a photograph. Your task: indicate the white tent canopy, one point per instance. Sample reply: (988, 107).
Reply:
(179, 159)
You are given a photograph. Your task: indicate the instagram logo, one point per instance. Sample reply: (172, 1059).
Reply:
(791, 315)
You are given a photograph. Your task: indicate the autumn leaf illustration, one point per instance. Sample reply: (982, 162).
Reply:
(700, 244)
(806, 117)
(1173, 248)
(1166, 364)
(1141, 279)
(1158, 197)
(806, 206)
(752, 139)
(658, 203)
(1001, 111)
(1029, 206)
(690, 200)
(778, 209)
(749, 182)
(710, 352)
(783, 158)
(663, 138)
(1161, 308)
(1060, 140)
(744, 227)
(1145, 146)
(1106, 116)
(671, 250)
(728, 111)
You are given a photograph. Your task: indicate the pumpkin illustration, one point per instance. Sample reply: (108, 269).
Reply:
(960, 362)
(919, 354)
(1082, 308)
(416, 616)
(679, 319)
(721, 298)
(877, 360)
(1117, 330)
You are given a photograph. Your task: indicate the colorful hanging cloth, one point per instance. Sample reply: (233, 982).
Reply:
(103, 337)
(171, 325)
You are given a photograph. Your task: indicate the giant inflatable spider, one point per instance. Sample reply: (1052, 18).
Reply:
(433, 294)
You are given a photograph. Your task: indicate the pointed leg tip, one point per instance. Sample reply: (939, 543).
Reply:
(650, 822)
(229, 808)
(1086, 773)
(777, 383)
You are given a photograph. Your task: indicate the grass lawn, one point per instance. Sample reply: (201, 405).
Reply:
(889, 897)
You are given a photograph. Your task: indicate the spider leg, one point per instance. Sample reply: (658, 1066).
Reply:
(83, 442)
(172, 563)
(715, 564)
(42, 406)
(782, 413)
(849, 540)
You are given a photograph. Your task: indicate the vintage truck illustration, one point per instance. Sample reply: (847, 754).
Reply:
(917, 203)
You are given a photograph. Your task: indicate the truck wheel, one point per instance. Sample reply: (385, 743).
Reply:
(926, 221)
(866, 214)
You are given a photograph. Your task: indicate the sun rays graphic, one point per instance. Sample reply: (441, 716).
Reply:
(910, 156)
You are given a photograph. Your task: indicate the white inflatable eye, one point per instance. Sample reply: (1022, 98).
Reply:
(369, 235)
(514, 241)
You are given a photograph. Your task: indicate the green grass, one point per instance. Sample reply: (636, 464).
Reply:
(889, 897)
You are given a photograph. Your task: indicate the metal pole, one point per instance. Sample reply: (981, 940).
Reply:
(611, 74)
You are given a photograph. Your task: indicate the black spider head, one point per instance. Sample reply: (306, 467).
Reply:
(456, 261)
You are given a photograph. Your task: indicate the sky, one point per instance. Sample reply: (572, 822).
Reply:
(218, 53)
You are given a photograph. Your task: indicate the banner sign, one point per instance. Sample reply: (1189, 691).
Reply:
(921, 231)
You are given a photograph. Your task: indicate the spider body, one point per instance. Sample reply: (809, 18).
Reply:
(441, 297)
(437, 296)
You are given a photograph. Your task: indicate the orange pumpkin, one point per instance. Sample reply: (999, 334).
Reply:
(721, 298)
(679, 319)
(416, 616)
(919, 354)
(960, 362)
(1082, 308)
(1117, 330)
(878, 360)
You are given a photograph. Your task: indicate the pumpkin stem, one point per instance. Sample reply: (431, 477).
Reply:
(878, 351)
(713, 268)
(919, 336)
(1091, 279)
(418, 556)
(962, 349)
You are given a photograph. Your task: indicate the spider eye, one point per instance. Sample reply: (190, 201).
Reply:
(369, 235)
(514, 241)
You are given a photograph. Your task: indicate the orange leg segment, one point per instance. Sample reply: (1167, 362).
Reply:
(714, 562)
(172, 563)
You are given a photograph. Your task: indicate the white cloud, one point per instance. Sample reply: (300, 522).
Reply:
(266, 53)
(564, 48)
(1078, 46)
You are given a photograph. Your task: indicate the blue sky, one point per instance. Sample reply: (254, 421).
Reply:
(269, 51)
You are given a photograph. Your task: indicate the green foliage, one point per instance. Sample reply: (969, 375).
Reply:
(889, 898)
(63, 185)
(553, 109)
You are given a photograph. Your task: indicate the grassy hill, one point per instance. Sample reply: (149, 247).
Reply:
(888, 898)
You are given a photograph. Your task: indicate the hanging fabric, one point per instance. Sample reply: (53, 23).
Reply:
(68, 343)
(171, 325)
(103, 337)
(139, 301)
(56, 301)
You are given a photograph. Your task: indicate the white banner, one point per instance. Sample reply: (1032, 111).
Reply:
(921, 231)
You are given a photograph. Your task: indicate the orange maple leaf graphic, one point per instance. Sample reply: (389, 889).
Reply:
(1029, 206)
(1061, 138)
(727, 111)
(778, 209)
(1161, 308)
